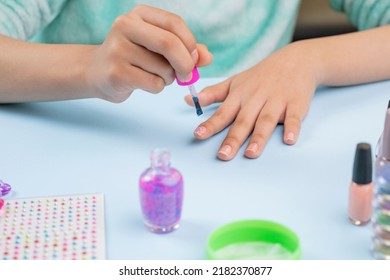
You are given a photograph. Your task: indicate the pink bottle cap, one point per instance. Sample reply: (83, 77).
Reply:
(194, 79)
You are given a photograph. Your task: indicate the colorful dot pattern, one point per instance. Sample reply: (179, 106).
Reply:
(55, 228)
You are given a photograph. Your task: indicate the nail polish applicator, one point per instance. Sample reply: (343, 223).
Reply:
(192, 89)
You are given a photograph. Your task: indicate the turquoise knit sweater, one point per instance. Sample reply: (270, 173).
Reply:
(239, 33)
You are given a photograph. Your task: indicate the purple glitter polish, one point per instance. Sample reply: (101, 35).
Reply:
(161, 194)
(4, 188)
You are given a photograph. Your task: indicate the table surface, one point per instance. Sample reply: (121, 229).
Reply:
(89, 146)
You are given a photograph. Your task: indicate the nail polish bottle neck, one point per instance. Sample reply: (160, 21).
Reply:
(160, 159)
(385, 151)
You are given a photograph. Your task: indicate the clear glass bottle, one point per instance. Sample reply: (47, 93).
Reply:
(161, 194)
(381, 222)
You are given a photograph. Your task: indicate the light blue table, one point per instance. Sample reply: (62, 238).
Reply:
(89, 146)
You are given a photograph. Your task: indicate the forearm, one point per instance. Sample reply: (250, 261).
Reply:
(42, 72)
(354, 58)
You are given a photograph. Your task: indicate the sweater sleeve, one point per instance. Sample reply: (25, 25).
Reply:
(22, 19)
(364, 14)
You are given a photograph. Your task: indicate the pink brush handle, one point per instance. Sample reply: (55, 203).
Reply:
(195, 78)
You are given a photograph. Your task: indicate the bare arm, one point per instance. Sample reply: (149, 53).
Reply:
(33, 72)
(145, 49)
(353, 58)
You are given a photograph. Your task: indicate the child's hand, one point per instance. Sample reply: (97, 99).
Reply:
(277, 90)
(144, 50)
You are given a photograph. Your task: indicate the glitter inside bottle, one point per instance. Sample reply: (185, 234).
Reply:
(161, 194)
(380, 248)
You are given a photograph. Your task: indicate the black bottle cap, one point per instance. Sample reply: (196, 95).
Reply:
(388, 105)
(362, 166)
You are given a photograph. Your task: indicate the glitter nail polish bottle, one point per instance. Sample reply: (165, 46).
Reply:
(161, 194)
(380, 247)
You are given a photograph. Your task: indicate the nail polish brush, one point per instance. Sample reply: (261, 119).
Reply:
(192, 89)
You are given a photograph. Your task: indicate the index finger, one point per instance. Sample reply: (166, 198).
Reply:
(170, 22)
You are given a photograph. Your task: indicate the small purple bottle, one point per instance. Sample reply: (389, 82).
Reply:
(161, 193)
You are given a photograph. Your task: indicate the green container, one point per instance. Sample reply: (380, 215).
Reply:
(250, 232)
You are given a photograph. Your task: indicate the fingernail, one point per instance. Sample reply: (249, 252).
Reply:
(225, 150)
(184, 79)
(195, 56)
(188, 78)
(200, 131)
(290, 138)
(253, 147)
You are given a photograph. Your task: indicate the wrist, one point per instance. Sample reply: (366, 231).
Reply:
(85, 71)
(307, 54)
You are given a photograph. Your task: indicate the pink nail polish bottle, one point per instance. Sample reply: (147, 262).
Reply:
(161, 194)
(1, 207)
(361, 188)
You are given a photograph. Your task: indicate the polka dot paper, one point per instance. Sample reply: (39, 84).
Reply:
(55, 228)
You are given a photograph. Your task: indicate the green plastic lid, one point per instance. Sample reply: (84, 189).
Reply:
(253, 239)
